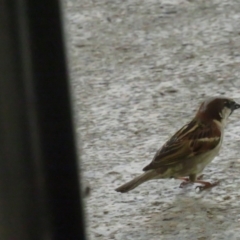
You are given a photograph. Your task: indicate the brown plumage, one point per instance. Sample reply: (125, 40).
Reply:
(191, 148)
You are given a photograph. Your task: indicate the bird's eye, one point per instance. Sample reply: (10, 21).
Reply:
(228, 103)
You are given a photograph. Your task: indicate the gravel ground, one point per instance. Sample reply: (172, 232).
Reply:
(139, 71)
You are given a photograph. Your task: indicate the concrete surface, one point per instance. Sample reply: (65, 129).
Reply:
(139, 70)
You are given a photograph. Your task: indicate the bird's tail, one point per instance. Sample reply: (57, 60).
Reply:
(151, 174)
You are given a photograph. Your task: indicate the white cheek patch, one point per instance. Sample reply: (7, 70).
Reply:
(225, 113)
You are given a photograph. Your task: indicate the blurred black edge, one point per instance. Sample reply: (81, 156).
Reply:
(40, 195)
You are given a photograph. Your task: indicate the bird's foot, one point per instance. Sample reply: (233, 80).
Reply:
(206, 185)
(200, 177)
(186, 180)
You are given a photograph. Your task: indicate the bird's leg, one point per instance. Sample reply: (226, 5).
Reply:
(200, 177)
(185, 181)
(189, 180)
(206, 185)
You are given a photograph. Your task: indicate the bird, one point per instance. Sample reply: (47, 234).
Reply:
(185, 155)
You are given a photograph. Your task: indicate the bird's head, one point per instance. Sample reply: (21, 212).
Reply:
(216, 108)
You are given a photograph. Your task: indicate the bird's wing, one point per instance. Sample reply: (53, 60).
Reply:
(191, 140)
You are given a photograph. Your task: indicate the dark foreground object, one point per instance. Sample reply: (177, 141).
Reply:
(40, 197)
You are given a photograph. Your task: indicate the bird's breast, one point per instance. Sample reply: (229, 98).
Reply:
(207, 157)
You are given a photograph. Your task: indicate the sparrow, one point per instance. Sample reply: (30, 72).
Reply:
(191, 149)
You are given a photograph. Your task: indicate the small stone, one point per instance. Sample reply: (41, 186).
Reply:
(226, 198)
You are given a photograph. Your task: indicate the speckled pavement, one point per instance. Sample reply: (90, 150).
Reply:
(139, 70)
